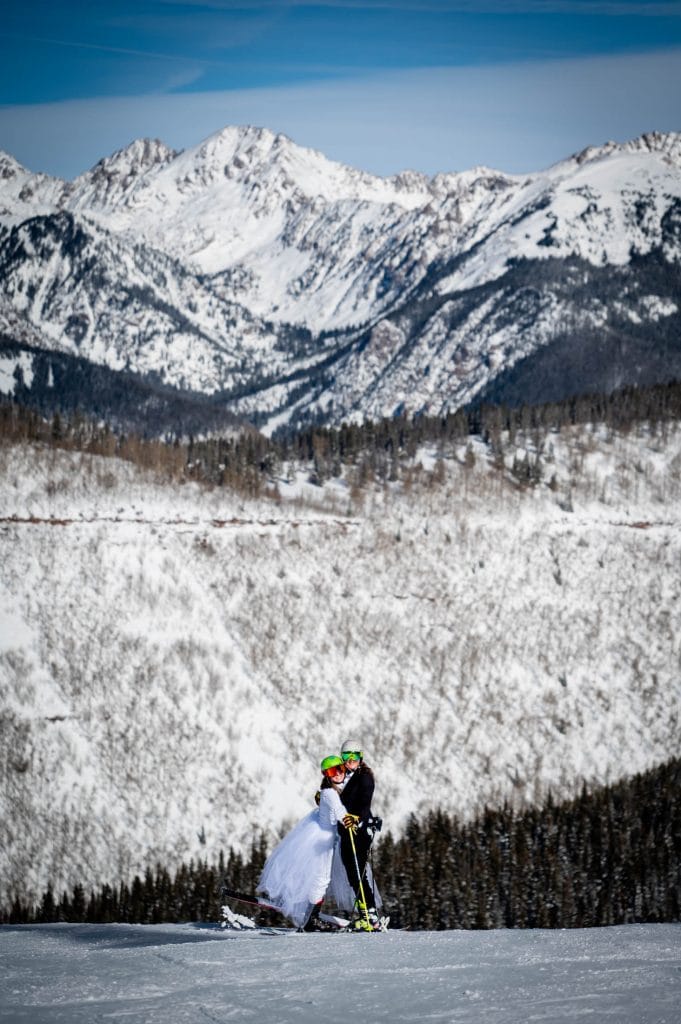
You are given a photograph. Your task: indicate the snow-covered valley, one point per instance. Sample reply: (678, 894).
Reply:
(175, 659)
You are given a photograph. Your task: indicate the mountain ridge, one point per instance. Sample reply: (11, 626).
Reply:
(371, 294)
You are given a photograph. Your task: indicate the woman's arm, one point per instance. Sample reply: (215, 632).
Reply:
(333, 802)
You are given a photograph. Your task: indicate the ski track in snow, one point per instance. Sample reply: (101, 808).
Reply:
(195, 973)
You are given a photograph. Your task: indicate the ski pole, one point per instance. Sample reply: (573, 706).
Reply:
(361, 887)
(373, 873)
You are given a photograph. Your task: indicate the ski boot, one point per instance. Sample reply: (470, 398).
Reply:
(368, 919)
(314, 922)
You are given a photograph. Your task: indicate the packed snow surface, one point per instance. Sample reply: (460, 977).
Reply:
(167, 974)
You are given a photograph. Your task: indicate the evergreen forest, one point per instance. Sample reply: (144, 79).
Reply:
(247, 462)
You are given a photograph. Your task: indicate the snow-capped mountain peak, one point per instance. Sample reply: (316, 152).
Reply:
(114, 179)
(140, 156)
(23, 193)
(250, 154)
(10, 168)
(666, 146)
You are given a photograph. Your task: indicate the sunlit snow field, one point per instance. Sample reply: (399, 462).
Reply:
(167, 974)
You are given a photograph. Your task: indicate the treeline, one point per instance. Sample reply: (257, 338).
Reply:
(608, 857)
(248, 461)
(190, 894)
(243, 461)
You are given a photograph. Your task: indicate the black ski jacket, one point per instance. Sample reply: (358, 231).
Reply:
(358, 791)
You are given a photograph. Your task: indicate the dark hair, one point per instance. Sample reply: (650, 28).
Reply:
(327, 783)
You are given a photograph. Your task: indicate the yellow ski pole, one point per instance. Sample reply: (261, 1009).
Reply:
(361, 887)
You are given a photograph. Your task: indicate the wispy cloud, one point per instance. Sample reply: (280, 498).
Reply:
(76, 44)
(180, 80)
(200, 63)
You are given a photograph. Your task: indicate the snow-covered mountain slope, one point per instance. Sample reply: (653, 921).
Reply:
(174, 662)
(354, 296)
(128, 306)
(541, 332)
(51, 381)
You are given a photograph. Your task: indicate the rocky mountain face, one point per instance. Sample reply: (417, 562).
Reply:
(286, 288)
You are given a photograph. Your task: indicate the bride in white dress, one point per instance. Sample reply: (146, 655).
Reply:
(298, 872)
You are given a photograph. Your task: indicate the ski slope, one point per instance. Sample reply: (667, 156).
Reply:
(167, 974)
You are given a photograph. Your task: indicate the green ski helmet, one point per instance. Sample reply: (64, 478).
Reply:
(332, 761)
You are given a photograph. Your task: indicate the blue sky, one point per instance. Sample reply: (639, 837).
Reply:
(382, 84)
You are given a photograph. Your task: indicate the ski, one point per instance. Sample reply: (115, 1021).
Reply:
(240, 923)
(258, 901)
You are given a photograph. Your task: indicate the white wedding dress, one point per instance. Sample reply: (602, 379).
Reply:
(297, 873)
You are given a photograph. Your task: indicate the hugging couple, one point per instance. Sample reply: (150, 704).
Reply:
(325, 854)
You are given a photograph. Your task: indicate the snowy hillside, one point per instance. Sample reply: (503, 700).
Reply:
(89, 294)
(174, 661)
(300, 288)
(165, 974)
